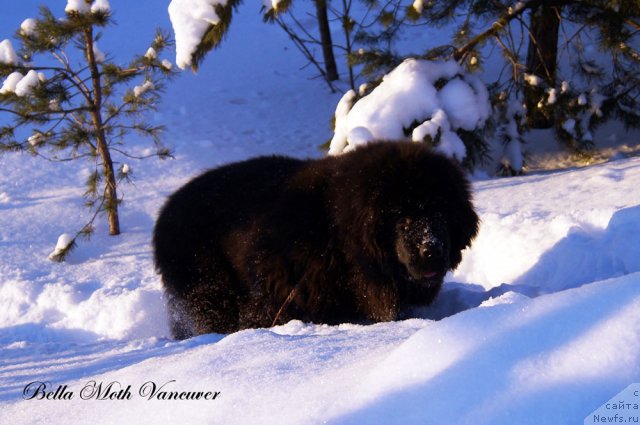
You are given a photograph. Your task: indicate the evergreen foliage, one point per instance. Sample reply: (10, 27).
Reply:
(69, 101)
(214, 35)
(546, 41)
(561, 80)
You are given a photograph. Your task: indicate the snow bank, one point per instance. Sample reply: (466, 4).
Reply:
(558, 230)
(430, 98)
(554, 359)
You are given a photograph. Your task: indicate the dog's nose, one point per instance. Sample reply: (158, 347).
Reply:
(431, 250)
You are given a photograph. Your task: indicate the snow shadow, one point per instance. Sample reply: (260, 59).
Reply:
(589, 255)
(60, 360)
(458, 297)
(498, 364)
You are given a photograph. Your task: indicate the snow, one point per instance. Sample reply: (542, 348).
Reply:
(7, 53)
(64, 240)
(271, 4)
(513, 153)
(408, 95)
(341, 126)
(77, 6)
(25, 85)
(532, 80)
(151, 53)
(36, 138)
(167, 64)
(569, 126)
(418, 6)
(97, 53)
(190, 20)
(582, 99)
(539, 324)
(142, 88)
(10, 83)
(28, 27)
(553, 96)
(100, 6)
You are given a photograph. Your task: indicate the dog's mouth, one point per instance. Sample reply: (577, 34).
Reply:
(430, 275)
(425, 277)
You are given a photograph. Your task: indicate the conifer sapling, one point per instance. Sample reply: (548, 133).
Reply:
(68, 100)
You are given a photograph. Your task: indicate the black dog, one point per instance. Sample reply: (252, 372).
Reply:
(354, 238)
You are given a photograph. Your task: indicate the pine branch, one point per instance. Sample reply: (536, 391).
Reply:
(461, 53)
(300, 44)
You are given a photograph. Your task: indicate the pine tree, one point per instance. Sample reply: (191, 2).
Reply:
(538, 38)
(69, 100)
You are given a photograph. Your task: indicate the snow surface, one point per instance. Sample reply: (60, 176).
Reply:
(540, 324)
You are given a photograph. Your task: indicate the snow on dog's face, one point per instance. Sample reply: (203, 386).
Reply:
(422, 247)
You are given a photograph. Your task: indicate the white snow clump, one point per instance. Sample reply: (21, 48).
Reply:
(35, 139)
(553, 96)
(84, 6)
(532, 80)
(582, 99)
(408, 96)
(151, 53)
(21, 85)
(7, 53)
(77, 6)
(190, 20)
(271, 4)
(98, 54)
(10, 83)
(100, 6)
(418, 6)
(28, 27)
(64, 240)
(139, 90)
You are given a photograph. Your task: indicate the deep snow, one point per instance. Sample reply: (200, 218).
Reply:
(539, 324)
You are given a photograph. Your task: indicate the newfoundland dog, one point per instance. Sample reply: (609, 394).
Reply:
(360, 237)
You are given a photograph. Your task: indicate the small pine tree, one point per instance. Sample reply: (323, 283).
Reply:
(68, 100)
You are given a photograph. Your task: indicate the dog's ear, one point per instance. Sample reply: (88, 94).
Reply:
(463, 228)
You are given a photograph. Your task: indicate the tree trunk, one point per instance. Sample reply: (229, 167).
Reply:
(110, 190)
(542, 59)
(325, 38)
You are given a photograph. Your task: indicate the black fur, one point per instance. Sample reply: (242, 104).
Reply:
(355, 238)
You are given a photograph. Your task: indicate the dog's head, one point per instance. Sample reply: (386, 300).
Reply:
(422, 247)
